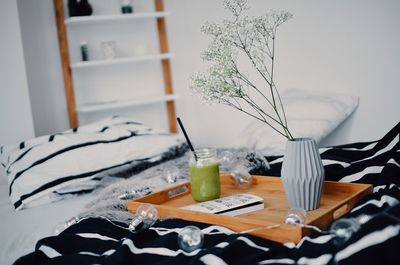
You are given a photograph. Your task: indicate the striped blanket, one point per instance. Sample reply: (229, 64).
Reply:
(100, 241)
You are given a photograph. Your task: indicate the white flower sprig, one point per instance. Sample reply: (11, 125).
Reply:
(224, 82)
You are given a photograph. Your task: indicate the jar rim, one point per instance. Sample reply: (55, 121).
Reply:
(205, 152)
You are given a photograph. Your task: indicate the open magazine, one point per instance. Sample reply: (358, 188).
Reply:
(231, 205)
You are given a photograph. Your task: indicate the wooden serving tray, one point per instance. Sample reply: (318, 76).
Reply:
(337, 199)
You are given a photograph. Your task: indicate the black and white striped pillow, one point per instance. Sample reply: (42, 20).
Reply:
(46, 168)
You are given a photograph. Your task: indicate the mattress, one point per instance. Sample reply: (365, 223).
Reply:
(20, 230)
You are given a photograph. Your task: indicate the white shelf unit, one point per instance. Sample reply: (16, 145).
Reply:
(116, 17)
(72, 68)
(123, 104)
(137, 59)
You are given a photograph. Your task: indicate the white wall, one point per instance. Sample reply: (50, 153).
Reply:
(15, 109)
(345, 46)
(42, 58)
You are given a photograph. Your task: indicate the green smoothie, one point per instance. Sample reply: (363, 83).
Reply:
(204, 182)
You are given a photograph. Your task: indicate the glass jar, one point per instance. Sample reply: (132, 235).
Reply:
(204, 175)
(109, 49)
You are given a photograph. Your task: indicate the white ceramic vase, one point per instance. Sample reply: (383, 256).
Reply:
(302, 174)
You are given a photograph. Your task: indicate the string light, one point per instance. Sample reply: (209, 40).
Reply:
(146, 215)
(61, 226)
(190, 238)
(241, 177)
(295, 216)
(132, 194)
(226, 161)
(237, 169)
(342, 229)
(171, 174)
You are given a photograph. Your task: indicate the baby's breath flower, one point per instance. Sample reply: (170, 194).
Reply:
(224, 81)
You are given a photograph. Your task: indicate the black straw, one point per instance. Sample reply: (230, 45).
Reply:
(187, 138)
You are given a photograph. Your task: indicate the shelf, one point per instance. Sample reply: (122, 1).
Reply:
(115, 61)
(116, 17)
(92, 27)
(122, 104)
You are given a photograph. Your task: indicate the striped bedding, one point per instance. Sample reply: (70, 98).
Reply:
(52, 167)
(377, 241)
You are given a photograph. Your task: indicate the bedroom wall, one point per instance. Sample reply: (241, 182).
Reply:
(344, 46)
(15, 109)
(42, 59)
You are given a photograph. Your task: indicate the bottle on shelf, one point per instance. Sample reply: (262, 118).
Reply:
(84, 51)
(126, 6)
(73, 8)
(84, 8)
(109, 49)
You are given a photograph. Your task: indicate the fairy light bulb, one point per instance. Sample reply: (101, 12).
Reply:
(146, 216)
(190, 238)
(236, 168)
(148, 213)
(132, 194)
(226, 160)
(295, 216)
(171, 174)
(241, 177)
(61, 226)
(343, 229)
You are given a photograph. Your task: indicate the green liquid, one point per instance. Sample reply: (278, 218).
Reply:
(204, 182)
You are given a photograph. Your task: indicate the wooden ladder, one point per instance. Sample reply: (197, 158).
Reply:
(67, 73)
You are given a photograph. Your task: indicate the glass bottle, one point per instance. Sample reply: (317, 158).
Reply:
(126, 6)
(204, 175)
(84, 8)
(84, 51)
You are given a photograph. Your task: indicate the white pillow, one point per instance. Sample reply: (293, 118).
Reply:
(312, 114)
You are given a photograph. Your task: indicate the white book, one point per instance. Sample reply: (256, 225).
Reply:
(231, 205)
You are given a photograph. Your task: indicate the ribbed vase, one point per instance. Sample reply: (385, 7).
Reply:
(302, 174)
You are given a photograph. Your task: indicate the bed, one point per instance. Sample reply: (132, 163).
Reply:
(100, 232)
(54, 172)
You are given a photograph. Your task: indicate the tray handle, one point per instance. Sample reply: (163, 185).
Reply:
(177, 191)
(341, 209)
(346, 206)
(167, 194)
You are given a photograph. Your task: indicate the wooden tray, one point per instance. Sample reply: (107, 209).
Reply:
(337, 199)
